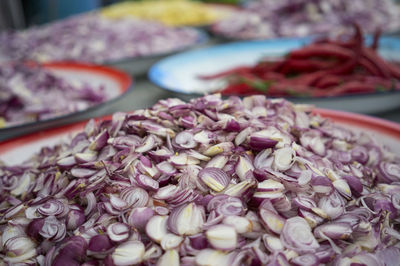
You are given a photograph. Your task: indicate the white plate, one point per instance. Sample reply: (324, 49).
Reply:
(179, 73)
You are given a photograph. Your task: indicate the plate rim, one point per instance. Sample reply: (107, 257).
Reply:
(125, 83)
(153, 71)
(376, 124)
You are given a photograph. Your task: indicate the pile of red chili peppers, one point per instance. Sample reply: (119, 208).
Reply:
(322, 69)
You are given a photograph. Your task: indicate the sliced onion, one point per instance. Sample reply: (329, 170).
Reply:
(218, 161)
(263, 159)
(211, 257)
(186, 219)
(296, 235)
(244, 167)
(226, 205)
(272, 243)
(219, 148)
(223, 237)
(82, 172)
(51, 208)
(260, 140)
(118, 232)
(135, 197)
(306, 260)
(100, 243)
(19, 249)
(147, 182)
(156, 228)
(241, 224)
(100, 141)
(171, 241)
(214, 178)
(272, 220)
(169, 258)
(332, 205)
(53, 229)
(242, 189)
(334, 230)
(342, 187)
(389, 172)
(128, 253)
(75, 219)
(139, 217)
(85, 157)
(304, 202)
(185, 139)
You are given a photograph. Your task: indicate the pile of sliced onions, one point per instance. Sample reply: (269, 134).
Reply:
(31, 93)
(269, 19)
(187, 184)
(94, 38)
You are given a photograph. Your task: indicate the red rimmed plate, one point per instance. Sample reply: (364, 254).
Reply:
(115, 83)
(17, 150)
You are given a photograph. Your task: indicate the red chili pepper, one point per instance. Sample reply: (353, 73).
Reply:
(351, 87)
(371, 68)
(325, 68)
(375, 41)
(304, 65)
(322, 50)
(267, 66)
(375, 59)
(394, 70)
(287, 89)
(240, 88)
(272, 76)
(236, 70)
(328, 81)
(309, 79)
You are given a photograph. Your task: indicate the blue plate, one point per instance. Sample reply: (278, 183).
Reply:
(179, 73)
